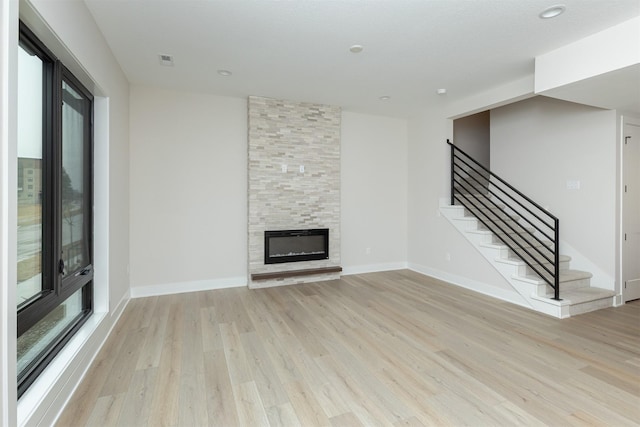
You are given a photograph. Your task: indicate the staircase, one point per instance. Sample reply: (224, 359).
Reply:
(520, 239)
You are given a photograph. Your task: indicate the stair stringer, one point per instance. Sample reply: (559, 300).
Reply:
(455, 216)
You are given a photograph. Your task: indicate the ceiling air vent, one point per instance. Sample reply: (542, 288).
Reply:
(166, 60)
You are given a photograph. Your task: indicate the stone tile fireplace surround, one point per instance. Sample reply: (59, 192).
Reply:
(294, 183)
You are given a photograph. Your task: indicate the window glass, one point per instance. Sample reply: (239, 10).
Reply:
(30, 185)
(43, 334)
(74, 245)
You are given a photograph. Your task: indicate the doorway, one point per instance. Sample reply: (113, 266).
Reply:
(472, 134)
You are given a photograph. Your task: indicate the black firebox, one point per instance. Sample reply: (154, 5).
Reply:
(296, 245)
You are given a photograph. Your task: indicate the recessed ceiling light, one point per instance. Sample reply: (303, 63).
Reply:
(356, 48)
(225, 73)
(442, 91)
(166, 60)
(384, 98)
(552, 11)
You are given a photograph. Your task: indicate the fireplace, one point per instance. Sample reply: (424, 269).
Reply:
(296, 245)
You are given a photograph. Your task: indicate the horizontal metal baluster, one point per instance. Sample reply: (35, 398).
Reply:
(481, 187)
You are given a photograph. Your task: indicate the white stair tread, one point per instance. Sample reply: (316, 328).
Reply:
(500, 245)
(492, 245)
(521, 232)
(498, 213)
(545, 243)
(565, 276)
(579, 296)
(482, 232)
(492, 208)
(453, 208)
(518, 262)
(505, 223)
(466, 218)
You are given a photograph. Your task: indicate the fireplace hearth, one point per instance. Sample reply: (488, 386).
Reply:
(296, 245)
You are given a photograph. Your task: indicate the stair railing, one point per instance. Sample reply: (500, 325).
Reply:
(527, 229)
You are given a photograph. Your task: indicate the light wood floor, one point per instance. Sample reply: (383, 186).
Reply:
(390, 348)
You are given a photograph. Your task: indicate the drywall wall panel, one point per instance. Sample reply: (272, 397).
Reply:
(374, 192)
(613, 49)
(563, 155)
(188, 188)
(435, 247)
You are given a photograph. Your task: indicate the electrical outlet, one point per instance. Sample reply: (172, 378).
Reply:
(447, 256)
(367, 251)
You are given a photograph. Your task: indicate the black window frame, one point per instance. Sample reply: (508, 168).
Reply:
(56, 287)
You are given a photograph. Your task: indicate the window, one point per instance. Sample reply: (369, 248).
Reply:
(55, 275)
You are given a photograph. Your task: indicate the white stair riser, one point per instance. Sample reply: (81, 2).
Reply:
(525, 241)
(467, 223)
(531, 253)
(495, 214)
(453, 211)
(586, 307)
(480, 237)
(545, 289)
(525, 270)
(507, 223)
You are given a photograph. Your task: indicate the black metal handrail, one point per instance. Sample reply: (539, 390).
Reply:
(520, 223)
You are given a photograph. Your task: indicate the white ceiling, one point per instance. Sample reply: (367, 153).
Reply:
(299, 50)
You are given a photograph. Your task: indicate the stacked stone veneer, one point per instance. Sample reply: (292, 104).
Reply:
(293, 134)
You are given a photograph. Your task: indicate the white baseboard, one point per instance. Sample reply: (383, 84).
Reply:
(504, 294)
(373, 268)
(122, 304)
(182, 287)
(618, 300)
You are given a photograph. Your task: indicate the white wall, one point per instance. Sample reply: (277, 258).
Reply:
(613, 49)
(541, 143)
(472, 135)
(189, 186)
(602, 70)
(374, 192)
(188, 191)
(431, 236)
